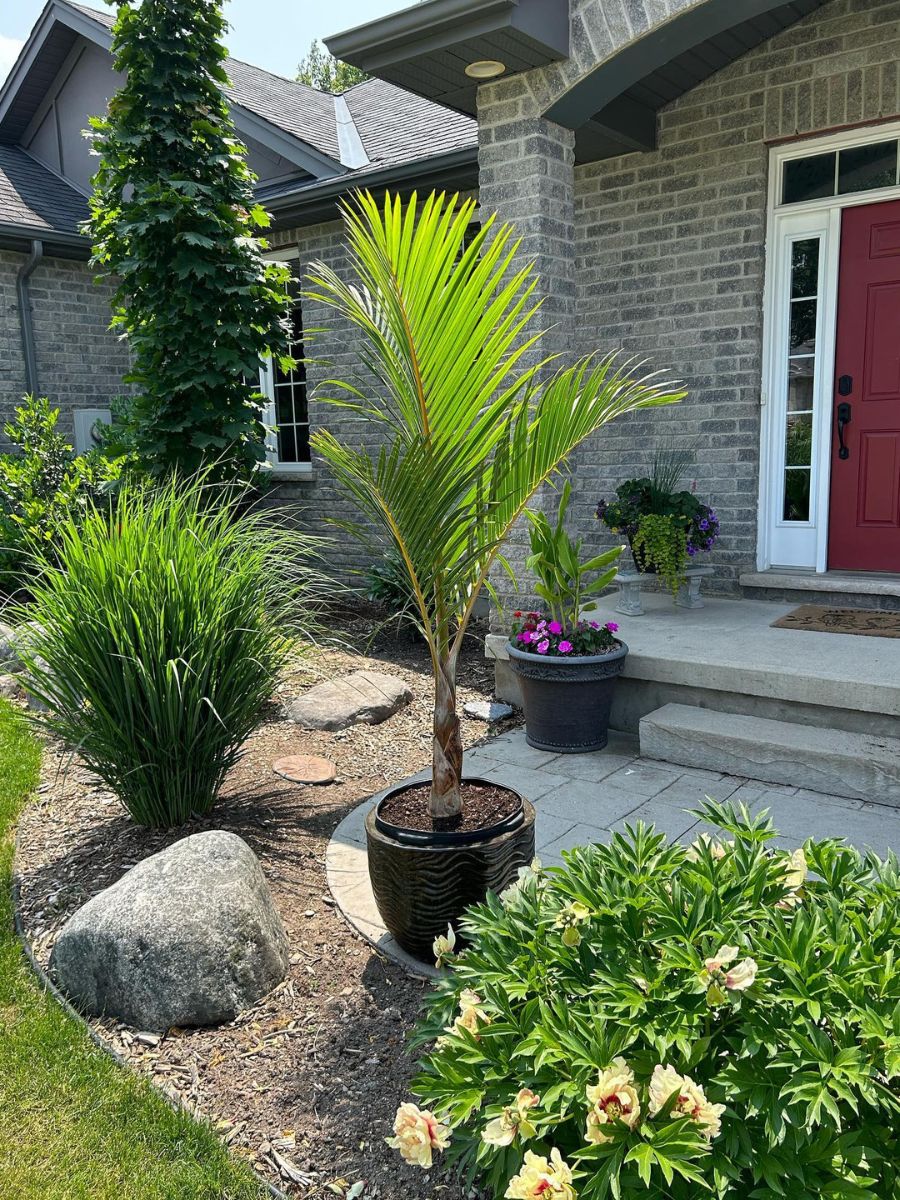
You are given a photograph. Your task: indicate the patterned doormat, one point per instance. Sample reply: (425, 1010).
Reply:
(818, 619)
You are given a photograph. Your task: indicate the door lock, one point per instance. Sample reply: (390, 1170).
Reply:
(844, 417)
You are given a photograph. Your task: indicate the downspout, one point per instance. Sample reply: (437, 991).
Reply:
(25, 321)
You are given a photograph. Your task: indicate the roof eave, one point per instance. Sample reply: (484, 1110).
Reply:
(57, 243)
(456, 168)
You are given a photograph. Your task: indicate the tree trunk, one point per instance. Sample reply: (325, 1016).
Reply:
(446, 800)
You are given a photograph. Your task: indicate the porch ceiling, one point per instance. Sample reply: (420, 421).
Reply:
(427, 48)
(614, 109)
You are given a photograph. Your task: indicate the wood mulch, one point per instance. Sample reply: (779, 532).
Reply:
(306, 1084)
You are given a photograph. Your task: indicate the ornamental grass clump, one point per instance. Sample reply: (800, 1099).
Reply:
(657, 1021)
(156, 639)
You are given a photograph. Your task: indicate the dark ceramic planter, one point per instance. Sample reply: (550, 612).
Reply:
(567, 701)
(425, 882)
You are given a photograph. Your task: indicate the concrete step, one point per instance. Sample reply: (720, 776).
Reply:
(728, 656)
(833, 761)
(833, 589)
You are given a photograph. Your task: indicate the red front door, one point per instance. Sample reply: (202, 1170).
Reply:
(864, 527)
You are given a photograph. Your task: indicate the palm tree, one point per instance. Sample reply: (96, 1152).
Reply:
(472, 423)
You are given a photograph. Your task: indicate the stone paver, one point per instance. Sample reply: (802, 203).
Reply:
(584, 798)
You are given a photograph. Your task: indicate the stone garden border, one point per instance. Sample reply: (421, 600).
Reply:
(101, 1043)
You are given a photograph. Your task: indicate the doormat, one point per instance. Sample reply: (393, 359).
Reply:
(864, 622)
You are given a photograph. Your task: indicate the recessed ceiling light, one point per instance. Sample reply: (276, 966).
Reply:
(486, 68)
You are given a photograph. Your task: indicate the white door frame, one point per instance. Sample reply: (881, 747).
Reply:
(803, 545)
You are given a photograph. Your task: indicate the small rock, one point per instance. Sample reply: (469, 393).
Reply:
(363, 698)
(189, 936)
(11, 688)
(491, 711)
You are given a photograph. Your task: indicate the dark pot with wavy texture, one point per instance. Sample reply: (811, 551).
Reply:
(424, 882)
(567, 701)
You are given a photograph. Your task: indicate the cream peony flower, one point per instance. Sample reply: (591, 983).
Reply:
(743, 976)
(569, 918)
(691, 1100)
(540, 1179)
(418, 1134)
(471, 1013)
(613, 1098)
(444, 945)
(722, 958)
(526, 874)
(513, 1120)
(794, 879)
(706, 843)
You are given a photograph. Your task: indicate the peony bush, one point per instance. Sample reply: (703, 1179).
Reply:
(657, 1021)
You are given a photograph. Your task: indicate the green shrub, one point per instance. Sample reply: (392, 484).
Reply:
(650, 1021)
(157, 642)
(43, 483)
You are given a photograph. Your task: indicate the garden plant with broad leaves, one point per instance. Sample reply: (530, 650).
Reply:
(471, 423)
(173, 221)
(657, 1021)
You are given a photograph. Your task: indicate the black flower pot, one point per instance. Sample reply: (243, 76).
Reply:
(567, 701)
(424, 882)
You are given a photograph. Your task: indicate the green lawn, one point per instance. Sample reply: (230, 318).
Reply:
(73, 1125)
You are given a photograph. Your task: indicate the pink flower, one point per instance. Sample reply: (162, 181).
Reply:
(612, 627)
(565, 647)
(544, 646)
(555, 627)
(594, 625)
(542, 625)
(525, 637)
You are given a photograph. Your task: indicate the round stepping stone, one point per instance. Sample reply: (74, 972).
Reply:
(305, 768)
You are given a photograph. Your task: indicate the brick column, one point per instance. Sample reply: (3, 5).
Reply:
(526, 168)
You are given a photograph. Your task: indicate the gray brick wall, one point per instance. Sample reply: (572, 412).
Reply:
(671, 252)
(80, 362)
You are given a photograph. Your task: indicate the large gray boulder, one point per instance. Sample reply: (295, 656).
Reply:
(363, 698)
(187, 937)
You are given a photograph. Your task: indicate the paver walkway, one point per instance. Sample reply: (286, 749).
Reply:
(584, 798)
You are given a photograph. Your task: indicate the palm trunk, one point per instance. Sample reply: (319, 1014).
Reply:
(446, 800)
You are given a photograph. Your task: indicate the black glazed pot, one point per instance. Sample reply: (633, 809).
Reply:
(567, 701)
(424, 882)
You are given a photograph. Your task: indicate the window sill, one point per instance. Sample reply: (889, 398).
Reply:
(292, 474)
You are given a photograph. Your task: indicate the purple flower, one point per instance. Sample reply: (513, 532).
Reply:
(692, 550)
(709, 543)
(525, 637)
(565, 647)
(542, 625)
(555, 627)
(704, 525)
(544, 646)
(612, 627)
(594, 625)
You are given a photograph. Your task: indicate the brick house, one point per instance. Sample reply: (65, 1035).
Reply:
(713, 185)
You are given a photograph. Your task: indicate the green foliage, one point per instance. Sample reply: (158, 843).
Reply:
(43, 483)
(387, 584)
(469, 431)
(172, 219)
(157, 642)
(663, 541)
(563, 579)
(773, 993)
(322, 70)
(73, 1124)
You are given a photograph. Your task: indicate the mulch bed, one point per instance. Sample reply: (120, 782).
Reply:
(306, 1084)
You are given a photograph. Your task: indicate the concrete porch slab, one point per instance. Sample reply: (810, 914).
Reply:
(588, 802)
(728, 656)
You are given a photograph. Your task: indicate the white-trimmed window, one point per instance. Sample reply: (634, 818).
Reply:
(287, 411)
(811, 183)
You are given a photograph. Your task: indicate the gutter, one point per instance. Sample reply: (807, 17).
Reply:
(25, 319)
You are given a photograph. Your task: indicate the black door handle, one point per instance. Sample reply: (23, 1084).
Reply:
(844, 416)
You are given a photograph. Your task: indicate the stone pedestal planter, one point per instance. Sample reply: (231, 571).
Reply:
(567, 701)
(424, 882)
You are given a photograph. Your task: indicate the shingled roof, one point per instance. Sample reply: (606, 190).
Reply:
(395, 129)
(34, 198)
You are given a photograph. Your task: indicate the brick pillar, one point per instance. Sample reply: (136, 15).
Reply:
(526, 168)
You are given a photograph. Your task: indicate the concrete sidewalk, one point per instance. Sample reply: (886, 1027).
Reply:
(584, 798)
